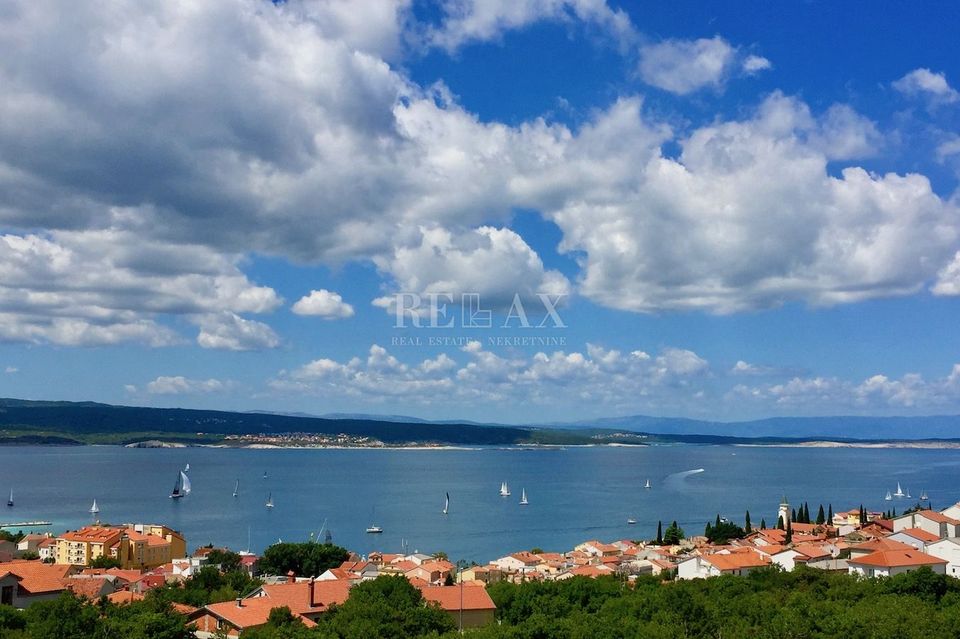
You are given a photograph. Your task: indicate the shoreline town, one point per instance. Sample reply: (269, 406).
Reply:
(123, 563)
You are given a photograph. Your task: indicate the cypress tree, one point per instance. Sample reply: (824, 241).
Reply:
(894, 512)
(747, 526)
(830, 515)
(763, 523)
(806, 513)
(793, 514)
(659, 533)
(707, 530)
(779, 522)
(821, 518)
(717, 523)
(789, 536)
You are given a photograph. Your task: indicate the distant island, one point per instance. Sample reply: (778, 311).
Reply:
(29, 422)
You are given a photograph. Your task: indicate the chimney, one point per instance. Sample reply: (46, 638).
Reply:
(239, 602)
(291, 577)
(312, 603)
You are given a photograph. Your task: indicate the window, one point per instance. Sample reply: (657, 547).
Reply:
(6, 595)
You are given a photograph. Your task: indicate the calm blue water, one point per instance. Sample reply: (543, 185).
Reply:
(575, 493)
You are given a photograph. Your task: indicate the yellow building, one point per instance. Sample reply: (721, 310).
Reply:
(135, 547)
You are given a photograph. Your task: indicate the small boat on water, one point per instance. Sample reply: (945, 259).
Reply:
(923, 496)
(264, 474)
(631, 521)
(182, 486)
(899, 492)
(269, 503)
(187, 468)
(236, 488)
(374, 530)
(647, 485)
(908, 494)
(888, 496)
(94, 509)
(446, 504)
(523, 497)
(504, 490)
(10, 501)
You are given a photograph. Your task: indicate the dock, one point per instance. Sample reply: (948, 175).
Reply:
(26, 524)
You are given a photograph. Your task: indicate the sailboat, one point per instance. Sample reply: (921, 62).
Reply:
(236, 488)
(182, 487)
(94, 509)
(631, 521)
(187, 468)
(504, 490)
(923, 496)
(523, 497)
(264, 474)
(647, 485)
(908, 494)
(270, 500)
(446, 504)
(888, 496)
(899, 492)
(10, 501)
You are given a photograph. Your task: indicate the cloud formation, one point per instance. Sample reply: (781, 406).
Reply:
(323, 303)
(685, 66)
(179, 385)
(926, 83)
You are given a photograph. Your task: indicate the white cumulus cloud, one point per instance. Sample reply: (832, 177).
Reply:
(323, 303)
(926, 83)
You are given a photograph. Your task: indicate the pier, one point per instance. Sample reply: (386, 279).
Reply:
(26, 524)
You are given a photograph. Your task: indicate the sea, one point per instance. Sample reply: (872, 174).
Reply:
(575, 493)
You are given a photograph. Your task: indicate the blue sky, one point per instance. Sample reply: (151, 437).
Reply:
(747, 209)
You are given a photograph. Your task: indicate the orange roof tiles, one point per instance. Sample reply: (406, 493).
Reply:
(449, 597)
(36, 577)
(921, 534)
(897, 559)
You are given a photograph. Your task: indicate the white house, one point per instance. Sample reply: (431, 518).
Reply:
(949, 551)
(521, 562)
(725, 562)
(887, 563)
(916, 537)
(933, 522)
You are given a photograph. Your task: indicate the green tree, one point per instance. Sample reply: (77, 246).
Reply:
(724, 532)
(789, 536)
(388, 607)
(674, 534)
(228, 560)
(830, 515)
(105, 562)
(659, 533)
(304, 559)
(746, 523)
(763, 523)
(821, 518)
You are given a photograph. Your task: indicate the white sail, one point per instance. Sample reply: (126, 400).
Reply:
(899, 492)
(10, 501)
(888, 496)
(647, 485)
(270, 500)
(236, 488)
(446, 504)
(184, 483)
(94, 509)
(187, 468)
(523, 497)
(504, 490)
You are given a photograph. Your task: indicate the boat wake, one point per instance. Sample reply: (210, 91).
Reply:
(676, 480)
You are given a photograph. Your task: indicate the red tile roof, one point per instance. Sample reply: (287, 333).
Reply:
(897, 559)
(36, 577)
(921, 534)
(449, 597)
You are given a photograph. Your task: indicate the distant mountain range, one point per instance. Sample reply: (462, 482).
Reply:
(27, 421)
